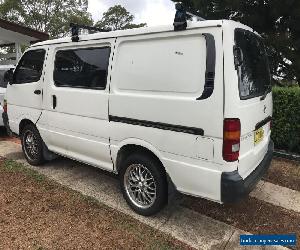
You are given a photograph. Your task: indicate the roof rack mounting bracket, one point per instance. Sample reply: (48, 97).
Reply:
(181, 17)
(76, 27)
(180, 21)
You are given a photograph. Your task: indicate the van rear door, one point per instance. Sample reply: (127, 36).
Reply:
(253, 104)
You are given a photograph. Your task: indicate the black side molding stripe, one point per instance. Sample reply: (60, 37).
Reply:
(210, 66)
(163, 126)
(263, 122)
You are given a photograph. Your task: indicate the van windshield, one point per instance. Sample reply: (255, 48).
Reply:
(3, 83)
(253, 66)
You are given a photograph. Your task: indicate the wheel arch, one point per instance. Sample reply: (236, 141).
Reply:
(23, 123)
(129, 146)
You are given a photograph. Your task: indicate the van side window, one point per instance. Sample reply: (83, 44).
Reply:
(82, 68)
(30, 67)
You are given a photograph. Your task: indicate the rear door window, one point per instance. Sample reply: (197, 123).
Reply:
(252, 64)
(82, 68)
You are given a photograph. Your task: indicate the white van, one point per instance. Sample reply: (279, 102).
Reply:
(188, 108)
(3, 85)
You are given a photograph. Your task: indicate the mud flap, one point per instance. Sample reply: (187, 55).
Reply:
(48, 155)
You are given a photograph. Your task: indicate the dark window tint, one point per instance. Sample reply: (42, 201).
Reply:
(82, 68)
(3, 83)
(30, 67)
(253, 69)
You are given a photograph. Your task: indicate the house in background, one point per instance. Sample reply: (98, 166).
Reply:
(15, 36)
(12, 37)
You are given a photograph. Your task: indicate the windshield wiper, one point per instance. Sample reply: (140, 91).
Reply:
(267, 91)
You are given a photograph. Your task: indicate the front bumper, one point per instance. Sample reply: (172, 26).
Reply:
(234, 187)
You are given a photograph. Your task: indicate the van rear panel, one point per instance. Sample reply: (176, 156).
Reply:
(248, 94)
(255, 135)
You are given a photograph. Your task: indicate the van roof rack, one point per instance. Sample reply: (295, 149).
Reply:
(182, 15)
(76, 27)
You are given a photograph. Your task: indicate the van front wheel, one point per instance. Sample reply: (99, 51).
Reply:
(143, 184)
(32, 145)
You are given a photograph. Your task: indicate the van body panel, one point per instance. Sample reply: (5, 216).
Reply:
(21, 98)
(165, 91)
(176, 108)
(250, 111)
(176, 53)
(165, 141)
(167, 97)
(78, 126)
(250, 155)
(2, 94)
(197, 177)
(3, 86)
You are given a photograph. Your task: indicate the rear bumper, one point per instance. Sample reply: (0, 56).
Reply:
(234, 187)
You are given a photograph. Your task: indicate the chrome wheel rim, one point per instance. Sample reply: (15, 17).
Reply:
(30, 145)
(140, 186)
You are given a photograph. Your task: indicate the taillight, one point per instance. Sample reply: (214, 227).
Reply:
(231, 139)
(5, 106)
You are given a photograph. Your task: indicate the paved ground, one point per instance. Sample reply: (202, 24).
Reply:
(277, 195)
(188, 226)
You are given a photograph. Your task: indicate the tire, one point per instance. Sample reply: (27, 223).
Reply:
(146, 203)
(32, 145)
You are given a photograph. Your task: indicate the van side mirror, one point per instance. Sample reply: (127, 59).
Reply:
(9, 76)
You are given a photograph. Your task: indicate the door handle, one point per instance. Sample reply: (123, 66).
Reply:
(37, 92)
(54, 101)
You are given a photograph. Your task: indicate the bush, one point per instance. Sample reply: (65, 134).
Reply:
(286, 119)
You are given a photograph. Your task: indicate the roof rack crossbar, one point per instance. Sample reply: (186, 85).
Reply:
(76, 27)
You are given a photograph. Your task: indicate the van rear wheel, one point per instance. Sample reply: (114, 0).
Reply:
(32, 145)
(144, 184)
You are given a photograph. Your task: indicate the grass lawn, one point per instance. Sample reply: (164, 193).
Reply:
(37, 213)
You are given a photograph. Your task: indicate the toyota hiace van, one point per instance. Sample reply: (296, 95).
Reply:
(189, 109)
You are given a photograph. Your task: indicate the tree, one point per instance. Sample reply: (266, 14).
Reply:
(276, 20)
(118, 18)
(51, 16)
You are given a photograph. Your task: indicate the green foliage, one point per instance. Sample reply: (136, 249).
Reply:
(286, 118)
(51, 16)
(118, 18)
(277, 21)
